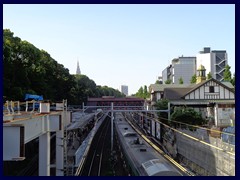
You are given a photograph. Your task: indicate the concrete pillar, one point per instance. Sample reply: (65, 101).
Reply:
(9, 112)
(26, 106)
(44, 150)
(60, 151)
(111, 126)
(216, 115)
(169, 112)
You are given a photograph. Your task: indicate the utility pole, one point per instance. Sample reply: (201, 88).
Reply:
(169, 112)
(112, 126)
(83, 107)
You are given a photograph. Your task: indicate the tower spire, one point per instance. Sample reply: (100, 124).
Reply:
(78, 68)
(201, 74)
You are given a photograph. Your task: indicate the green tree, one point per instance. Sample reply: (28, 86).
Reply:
(193, 79)
(146, 94)
(180, 80)
(84, 88)
(30, 70)
(13, 66)
(233, 80)
(209, 75)
(227, 76)
(143, 92)
(169, 81)
(108, 91)
(187, 115)
(162, 105)
(140, 92)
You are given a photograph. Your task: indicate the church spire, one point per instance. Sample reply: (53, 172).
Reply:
(78, 68)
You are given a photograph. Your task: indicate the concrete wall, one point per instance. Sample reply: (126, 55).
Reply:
(203, 159)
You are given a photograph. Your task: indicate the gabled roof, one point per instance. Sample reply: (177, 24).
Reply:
(161, 87)
(175, 93)
(204, 82)
(227, 83)
(179, 91)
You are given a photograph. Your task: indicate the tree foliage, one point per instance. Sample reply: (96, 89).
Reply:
(30, 70)
(227, 75)
(180, 80)
(162, 105)
(209, 75)
(233, 80)
(169, 81)
(143, 92)
(193, 79)
(187, 115)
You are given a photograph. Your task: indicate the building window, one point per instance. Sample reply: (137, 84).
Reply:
(161, 95)
(211, 89)
(158, 96)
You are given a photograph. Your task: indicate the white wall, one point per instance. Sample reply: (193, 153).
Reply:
(205, 60)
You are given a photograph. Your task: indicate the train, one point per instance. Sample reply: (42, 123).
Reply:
(142, 158)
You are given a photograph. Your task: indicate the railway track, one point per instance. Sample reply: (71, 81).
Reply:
(97, 161)
(32, 167)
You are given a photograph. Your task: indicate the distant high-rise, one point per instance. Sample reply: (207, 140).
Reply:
(181, 67)
(78, 68)
(124, 89)
(214, 62)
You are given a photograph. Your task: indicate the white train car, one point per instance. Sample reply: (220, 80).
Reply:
(142, 158)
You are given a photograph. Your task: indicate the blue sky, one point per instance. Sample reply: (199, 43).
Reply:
(123, 44)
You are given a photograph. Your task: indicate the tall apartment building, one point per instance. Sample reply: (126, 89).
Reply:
(182, 67)
(124, 89)
(213, 61)
(167, 73)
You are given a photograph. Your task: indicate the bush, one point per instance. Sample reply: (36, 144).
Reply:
(187, 115)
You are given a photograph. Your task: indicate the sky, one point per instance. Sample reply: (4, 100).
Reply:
(127, 44)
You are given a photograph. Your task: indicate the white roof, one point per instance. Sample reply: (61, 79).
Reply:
(154, 166)
(129, 134)
(79, 120)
